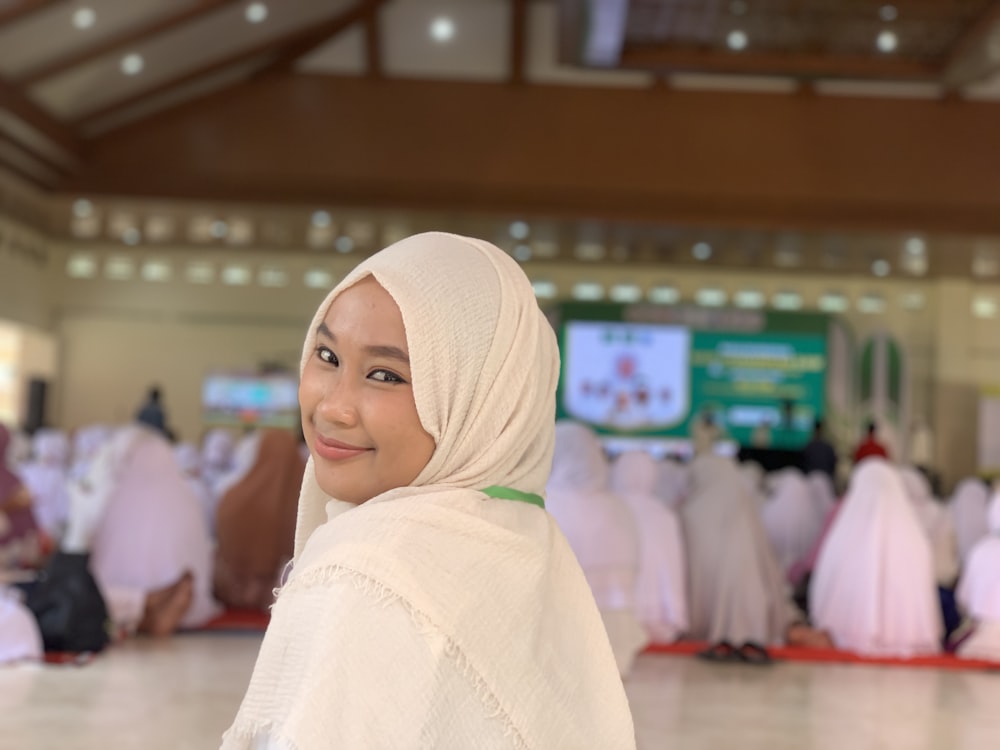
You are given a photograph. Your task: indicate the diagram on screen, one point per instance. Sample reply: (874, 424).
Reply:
(626, 376)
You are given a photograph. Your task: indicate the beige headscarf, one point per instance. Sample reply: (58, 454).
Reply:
(433, 615)
(512, 369)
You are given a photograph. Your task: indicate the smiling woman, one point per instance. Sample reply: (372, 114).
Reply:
(433, 603)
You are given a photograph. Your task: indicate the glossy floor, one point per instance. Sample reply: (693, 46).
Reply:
(181, 693)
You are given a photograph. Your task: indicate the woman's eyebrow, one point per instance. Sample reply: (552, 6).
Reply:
(377, 350)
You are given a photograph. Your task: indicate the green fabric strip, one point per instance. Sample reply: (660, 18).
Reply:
(507, 493)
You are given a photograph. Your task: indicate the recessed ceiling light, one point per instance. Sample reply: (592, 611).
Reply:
(701, 251)
(321, 219)
(519, 230)
(256, 13)
(915, 246)
(522, 253)
(131, 236)
(344, 244)
(82, 208)
(888, 13)
(132, 64)
(218, 229)
(84, 18)
(737, 40)
(442, 29)
(887, 41)
(881, 267)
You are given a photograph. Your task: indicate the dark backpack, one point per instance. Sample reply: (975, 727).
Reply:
(68, 605)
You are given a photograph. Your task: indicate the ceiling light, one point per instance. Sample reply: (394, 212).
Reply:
(84, 18)
(519, 230)
(82, 208)
(442, 29)
(888, 13)
(218, 229)
(344, 244)
(886, 41)
(915, 246)
(131, 236)
(132, 64)
(737, 40)
(881, 268)
(522, 253)
(321, 219)
(256, 13)
(701, 251)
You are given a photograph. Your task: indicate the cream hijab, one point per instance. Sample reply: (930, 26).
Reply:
(432, 615)
(485, 390)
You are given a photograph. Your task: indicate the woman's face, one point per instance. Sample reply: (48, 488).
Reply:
(358, 414)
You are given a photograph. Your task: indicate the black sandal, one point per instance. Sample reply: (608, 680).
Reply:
(723, 651)
(754, 653)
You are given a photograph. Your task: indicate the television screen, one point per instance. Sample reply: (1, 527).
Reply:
(235, 399)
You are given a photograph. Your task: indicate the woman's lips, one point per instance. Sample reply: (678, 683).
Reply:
(334, 450)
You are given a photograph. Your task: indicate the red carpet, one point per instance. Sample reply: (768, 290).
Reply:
(238, 620)
(829, 655)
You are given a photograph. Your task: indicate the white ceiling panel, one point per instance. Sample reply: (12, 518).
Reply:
(478, 49)
(50, 33)
(187, 48)
(543, 66)
(344, 55)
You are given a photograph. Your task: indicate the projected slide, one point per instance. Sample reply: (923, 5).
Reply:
(626, 376)
(238, 399)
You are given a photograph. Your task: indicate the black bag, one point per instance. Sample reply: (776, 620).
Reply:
(70, 610)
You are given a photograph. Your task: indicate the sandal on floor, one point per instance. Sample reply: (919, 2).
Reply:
(754, 653)
(723, 651)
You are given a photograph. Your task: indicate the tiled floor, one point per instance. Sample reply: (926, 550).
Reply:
(181, 693)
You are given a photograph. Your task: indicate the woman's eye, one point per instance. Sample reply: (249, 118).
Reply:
(386, 376)
(326, 355)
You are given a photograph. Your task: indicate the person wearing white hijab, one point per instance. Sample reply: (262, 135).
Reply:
(873, 587)
(672, 483)
(937, 524)
(968, 508)
(20, 639)
(145, 531)
(87, 441)
(661, 587)
(189, 461)
(432, 602)
(737, 590)
(217, 449)
(46, 476)
(979, 592)
(792, 519)
(823, 492)
(602, 532)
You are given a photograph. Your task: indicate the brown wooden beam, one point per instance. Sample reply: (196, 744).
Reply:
(14, 101)
(53, 164)
(23, 174)
(123, 40)
(373, 44)
(319, 35)
(518, 29)
(685, 157)
(670, 59)
(24, 9)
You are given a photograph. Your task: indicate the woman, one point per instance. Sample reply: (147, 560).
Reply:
(671, 483)
(20, 538)
(46, 477)
(737, 591)
(602, 533)
(661, 595)
(937, 525)
(143, 526)
(792, 519)
(432, 603)
(255, 520)
(873, 587)
(20, 639)
(979, 592)
(968, 509)
(216, 457)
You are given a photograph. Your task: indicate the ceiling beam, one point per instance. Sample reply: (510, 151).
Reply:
(14, 101)
(297, 38)
(33, 179)
(670, 59)
(24, 9)
(969, 60)
(518, 31)
(972, 35)
(373, 44)
(297, 48)
(47, 161)
(127, 38)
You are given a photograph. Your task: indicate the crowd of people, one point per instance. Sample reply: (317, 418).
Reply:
(172, 533)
